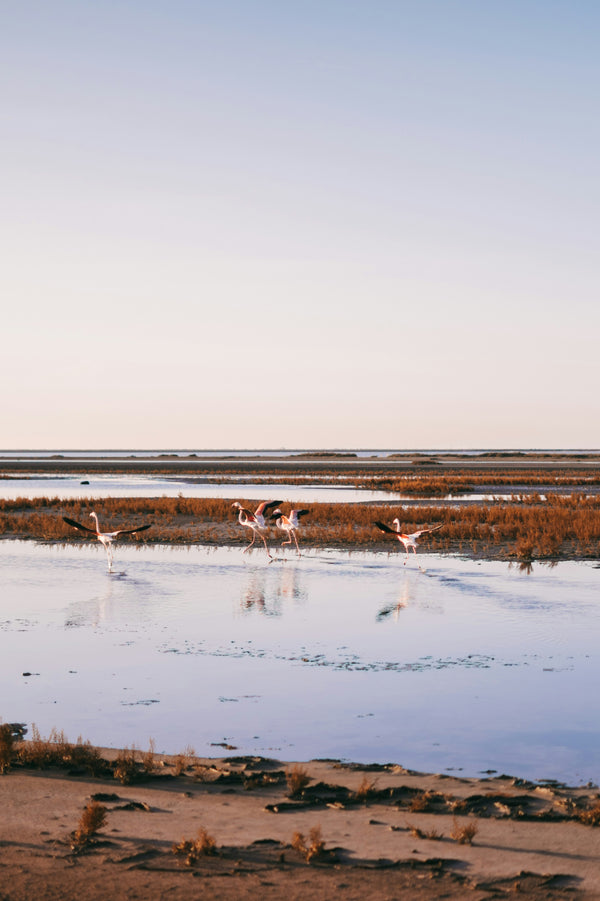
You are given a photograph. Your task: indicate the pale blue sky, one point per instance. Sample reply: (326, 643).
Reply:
(253, 224)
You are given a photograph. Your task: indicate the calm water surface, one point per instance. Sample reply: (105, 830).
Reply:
(461, 666)
(65, 487)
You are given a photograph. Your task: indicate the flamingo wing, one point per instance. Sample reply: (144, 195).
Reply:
(424, 531)
(130, 531)
(77, 525)
(383, 528)
(300, 513)
(265, 506)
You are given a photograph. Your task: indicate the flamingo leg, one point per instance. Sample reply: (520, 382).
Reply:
(109, 555)
(289, 541)
(296, 540)
(252, 542)
(266, 545)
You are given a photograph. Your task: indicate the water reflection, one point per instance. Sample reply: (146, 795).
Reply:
(253, 596)
(265, 589)
(426, 653)
(120, 596)
(411, 592)
(406, 592)
(526, 566)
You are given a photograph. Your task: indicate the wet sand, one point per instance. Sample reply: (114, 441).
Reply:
(377, 842)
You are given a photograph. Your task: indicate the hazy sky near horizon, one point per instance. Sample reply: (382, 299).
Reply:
(316, 224)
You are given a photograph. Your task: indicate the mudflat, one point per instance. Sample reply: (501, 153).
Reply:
(253, 827)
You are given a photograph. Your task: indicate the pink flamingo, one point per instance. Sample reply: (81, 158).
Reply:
(409, 541)
(289, 524)
(255, 521)
(105, 538)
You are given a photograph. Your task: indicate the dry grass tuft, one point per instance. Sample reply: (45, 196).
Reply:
(366, 789)
(6, 747)
(431, 834)
(148, 759)
(314, 849)
(184, 760)
(463, 834)
(421, 802)
(203, 845)
(297, 779)
(92, 820)
(56, 751)
(126, 768)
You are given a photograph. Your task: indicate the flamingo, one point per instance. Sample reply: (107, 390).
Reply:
(289, 524)
(255, 521)
(105, 538)
(409, 541)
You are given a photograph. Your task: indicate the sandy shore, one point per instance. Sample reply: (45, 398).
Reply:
(387, 833)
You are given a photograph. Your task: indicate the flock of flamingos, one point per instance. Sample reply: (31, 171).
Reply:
(266, 514)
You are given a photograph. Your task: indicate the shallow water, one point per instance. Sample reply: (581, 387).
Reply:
(462, 667)
(65, 487)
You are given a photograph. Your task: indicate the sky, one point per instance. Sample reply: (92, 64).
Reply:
(274, 223)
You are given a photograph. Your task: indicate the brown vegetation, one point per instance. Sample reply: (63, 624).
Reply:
(297, 779)
(314, 849)
(463, 834)
(524, 528)
(591, 816)
(92, 820)
(203, 845)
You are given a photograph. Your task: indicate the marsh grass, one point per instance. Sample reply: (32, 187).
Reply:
(92, 820)
(314, 848)
(297, 779)
(525, 528)
(57, 751)
(203, 845)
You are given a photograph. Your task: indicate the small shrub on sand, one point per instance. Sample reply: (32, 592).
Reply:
(590, 817)
(297, 779)
(421, 802)
(315, 847)
(203, 845)
(148, 761)
(126, 768)
(463, 834)
(92, 820)
(183, 760)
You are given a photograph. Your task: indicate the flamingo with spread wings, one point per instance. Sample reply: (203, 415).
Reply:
(289, 524)
(255, 521)
(105, 538)
(410, 540)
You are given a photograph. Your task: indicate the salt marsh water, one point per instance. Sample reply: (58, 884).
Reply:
(463, 667)
(64, 487)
